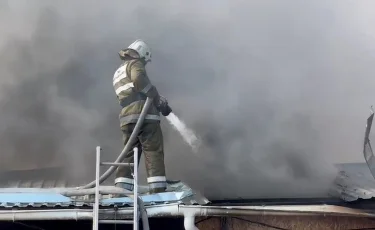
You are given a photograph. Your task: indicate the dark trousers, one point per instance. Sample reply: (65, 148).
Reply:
(150, 144)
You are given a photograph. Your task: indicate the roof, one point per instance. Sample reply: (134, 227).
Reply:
(39, 202)
(354, 181)
(59, 197)
(357, 180)
(47, 188)
(35, 178)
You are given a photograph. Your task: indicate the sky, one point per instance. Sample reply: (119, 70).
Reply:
(278, 91)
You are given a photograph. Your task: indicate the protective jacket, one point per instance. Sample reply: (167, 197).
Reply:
(132, 87)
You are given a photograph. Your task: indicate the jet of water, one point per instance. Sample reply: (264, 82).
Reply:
(187, 134)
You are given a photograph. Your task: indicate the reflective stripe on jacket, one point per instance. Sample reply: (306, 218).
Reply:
(132, 87)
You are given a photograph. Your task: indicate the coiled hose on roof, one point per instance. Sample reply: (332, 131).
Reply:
(127, 147)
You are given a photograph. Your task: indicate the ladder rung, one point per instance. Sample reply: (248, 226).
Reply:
(136, 214)
(117, 164)
(115, 222)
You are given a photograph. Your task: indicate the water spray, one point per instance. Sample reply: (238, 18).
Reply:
(187, 134)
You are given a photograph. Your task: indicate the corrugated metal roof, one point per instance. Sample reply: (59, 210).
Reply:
(12, 200)
(354, 181)
(47, 188)
(35, 178)
(51, 198)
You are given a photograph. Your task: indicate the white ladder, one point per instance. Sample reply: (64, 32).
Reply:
(96, 220)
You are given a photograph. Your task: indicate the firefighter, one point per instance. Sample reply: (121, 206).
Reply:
(132, 87)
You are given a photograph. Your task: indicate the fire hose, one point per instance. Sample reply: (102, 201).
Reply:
(127, 147)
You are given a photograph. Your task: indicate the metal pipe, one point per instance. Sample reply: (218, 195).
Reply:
(117, 164)
(72, 191)
(135, 199)
(91, 191)
(176, 210)
(127, 147)
(96, 205)
(189, 222)
(17, 215)
(277, 210)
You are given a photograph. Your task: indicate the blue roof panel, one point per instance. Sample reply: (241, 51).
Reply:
(33, 198)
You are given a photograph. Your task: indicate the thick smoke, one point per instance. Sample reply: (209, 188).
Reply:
(277, 90)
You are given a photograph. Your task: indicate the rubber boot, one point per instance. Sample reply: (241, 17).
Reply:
(157, 190)
(173, 181)
(123, 186)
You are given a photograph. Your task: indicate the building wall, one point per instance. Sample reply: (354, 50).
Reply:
(287, 222)
(155, 224)
(229, 223)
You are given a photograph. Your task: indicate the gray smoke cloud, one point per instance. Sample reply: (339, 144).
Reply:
(277, 90)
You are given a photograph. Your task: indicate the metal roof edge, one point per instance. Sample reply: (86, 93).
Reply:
(176, 210)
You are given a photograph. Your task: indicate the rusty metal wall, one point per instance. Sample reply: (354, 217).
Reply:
(287, 222)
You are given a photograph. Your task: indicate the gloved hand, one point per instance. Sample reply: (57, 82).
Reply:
(163, 107)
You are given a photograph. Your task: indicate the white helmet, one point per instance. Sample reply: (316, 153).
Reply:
(142, 48)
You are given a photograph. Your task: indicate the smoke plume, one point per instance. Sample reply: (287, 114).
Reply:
(278, 90)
